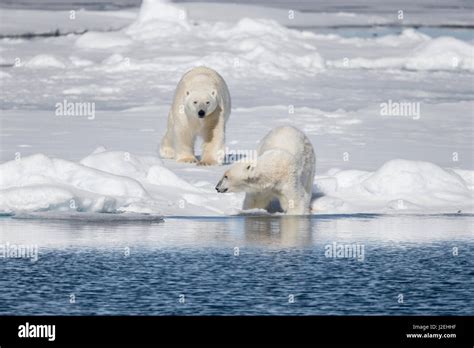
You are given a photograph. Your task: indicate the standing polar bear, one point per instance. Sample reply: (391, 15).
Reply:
(284, 169)
(201, 106)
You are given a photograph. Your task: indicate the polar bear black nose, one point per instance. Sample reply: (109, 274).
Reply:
(201, 113)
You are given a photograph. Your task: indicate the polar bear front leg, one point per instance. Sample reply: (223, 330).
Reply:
(213, 145)
(298, 206)
(249, 201)
(166, 147)
(294, 200)
(259, 200)
(184, 145)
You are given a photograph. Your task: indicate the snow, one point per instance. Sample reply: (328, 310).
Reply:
(117, 181)
(408, 35)
(102, 40)
(4, 75)
(330, 86)
(105, 181)
(253, 43)
(27, 22)
(42, 183)
(120, 163)
(442, 53)
(45, 61)
(397, 185)
(158, 11)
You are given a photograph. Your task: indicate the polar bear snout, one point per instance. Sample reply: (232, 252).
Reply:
(201, 113)
(221, 186)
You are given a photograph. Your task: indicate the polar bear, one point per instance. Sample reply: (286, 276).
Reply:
(201, 106)
(284, 169)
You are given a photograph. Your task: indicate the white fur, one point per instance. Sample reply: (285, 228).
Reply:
(284, 169)
(199, 89)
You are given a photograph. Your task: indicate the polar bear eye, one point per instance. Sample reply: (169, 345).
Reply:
(207, 102)
(195, 102)
(226, 177)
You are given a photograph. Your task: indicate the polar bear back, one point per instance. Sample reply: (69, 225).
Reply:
(286, 138)
(201, 74)
(295, 142)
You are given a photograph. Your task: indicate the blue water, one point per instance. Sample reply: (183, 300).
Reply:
(144, 268)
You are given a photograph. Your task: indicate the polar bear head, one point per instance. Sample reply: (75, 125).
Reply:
(241, 177)
(200, 103)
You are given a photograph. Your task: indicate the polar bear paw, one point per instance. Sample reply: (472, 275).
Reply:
(207, 162)
(167, 152)
(187, 159)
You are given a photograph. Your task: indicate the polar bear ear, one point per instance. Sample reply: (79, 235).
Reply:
(251, 173)
(213, 92)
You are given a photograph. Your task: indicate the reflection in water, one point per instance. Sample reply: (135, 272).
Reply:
(284, 231)
(258, 231)
(279, 255)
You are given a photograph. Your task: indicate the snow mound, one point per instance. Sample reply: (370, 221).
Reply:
(407, 36)
(38, 182)
(121, 163)
(397, 185)
(46, 61)
(103, 182)
(4, 75)
(146, 169)
(270, 47)
(467, 176)
(442, 53)
(401, 177)
(164, 177)
(99, 40)
(80, 62)
(158, 18)
(161, 10)
(117, 181)
(239, 49)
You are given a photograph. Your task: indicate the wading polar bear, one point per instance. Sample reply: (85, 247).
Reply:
(201, 106)
(284, 169)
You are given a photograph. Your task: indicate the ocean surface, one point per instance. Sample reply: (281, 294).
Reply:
(243, 265)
